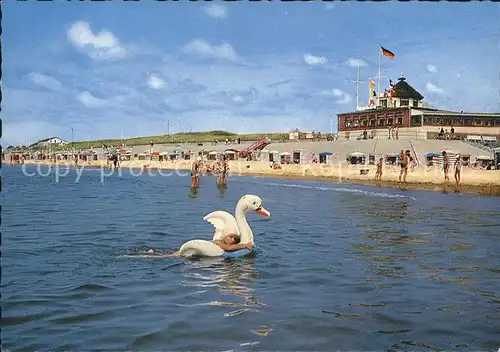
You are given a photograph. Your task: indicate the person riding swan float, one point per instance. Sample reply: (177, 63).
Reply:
(227, 226)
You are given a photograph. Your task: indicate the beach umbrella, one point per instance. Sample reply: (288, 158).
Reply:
(484, 157)
(357, 154)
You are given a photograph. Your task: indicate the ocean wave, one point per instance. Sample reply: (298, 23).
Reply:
(345, 190)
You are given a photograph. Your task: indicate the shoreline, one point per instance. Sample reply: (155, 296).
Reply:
(449, 187)
(474, 182)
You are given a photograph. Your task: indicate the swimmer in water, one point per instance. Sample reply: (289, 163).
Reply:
(229, 243)
(195, 173)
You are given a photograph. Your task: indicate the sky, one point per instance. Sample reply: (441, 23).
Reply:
(98, 70)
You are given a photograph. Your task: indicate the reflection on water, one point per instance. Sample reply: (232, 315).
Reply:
(222, 190)
(193, 192)
(231, 277)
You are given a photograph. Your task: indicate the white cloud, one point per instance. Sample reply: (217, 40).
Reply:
(342, 97)
(45, 81)
(202, 48)
(101, 46)
(432, 69)
(238, 99)
(89, 100)
(355, 62)
(156, 82)
(315, 60)
(329, 7)
(432, 88)
(216, 11)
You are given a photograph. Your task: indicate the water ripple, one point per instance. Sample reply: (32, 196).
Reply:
(353, 267)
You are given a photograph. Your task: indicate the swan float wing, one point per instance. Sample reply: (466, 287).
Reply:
(224, 223)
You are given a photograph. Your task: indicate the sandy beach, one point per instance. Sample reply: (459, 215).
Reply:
(481, 182)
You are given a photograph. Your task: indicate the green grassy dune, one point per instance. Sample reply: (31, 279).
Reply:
(188, 137)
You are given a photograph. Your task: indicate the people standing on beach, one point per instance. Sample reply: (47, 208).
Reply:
(378, 174)
(458, 168)
(195, 173)
(446, 165)
(404, 165)
(411, 161)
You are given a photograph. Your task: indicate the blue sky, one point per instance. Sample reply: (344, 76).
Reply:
(117, 69)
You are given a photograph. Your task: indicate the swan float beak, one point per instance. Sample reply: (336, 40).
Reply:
(262, 211)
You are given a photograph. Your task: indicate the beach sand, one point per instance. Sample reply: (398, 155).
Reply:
(481, 182)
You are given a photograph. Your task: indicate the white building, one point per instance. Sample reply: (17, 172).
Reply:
(50, 142)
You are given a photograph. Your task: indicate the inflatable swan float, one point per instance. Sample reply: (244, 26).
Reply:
(227, 224)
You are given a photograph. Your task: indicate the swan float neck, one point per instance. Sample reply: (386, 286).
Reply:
(246, 203)
(246, 234)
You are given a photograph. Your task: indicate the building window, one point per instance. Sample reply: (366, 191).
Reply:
(399, 121)
(356, 123)
(348, 123)
(380, 122)
(373, 122)
(390, 121)
(468, 122)
(404, 102)
(457, 122)
(415, 103)
(416, 121)
(383, 102)
(364, 122)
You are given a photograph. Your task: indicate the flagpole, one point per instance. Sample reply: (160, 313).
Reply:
(357, 89)
(379, 73)
(357, 81)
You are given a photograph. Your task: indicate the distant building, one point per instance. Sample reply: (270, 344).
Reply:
(298, 135)
(401, 107)
(49, 142)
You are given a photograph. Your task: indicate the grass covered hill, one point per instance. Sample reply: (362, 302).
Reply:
(188, 137)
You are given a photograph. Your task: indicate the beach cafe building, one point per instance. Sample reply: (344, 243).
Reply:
(401, 108)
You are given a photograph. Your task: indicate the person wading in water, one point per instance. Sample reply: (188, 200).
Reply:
(195, 173)
(221, 176)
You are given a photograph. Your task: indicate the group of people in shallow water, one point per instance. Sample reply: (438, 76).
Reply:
(220, 169)
(406, 160)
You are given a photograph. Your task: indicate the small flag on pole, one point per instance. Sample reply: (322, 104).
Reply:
(372, 84)
(387, 53)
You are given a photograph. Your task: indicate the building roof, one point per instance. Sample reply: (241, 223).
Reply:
(374, 110)
(403, 90)
(457, 114)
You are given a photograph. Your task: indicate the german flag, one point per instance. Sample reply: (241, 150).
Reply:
(387, 53)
